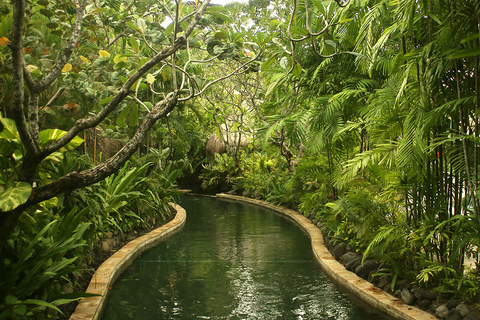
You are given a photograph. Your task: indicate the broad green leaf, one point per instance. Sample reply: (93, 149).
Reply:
(14, 195)
(297, 70)
(9, 129)
(150, 78)
(122, 116)
(47, 13)
(9, 299)
(220, 17)
(300, 31)
(141, 24)
(49, 135)
(220, 35)
(119, 58)
(6, 147)
(169, 29)
(105, 101)
(134, 44)
(268, 62)
(260, 38)
(133, 26)
(134, 116)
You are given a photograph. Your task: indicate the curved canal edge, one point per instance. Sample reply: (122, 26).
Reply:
(92, 308)
(361, 288)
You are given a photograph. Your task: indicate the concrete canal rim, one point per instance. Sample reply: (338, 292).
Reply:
(107, 273)
(92, 308)
(361, 288)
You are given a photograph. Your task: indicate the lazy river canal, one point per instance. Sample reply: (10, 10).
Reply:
(231, 261)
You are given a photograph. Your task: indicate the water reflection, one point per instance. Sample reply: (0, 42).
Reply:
(231, 261)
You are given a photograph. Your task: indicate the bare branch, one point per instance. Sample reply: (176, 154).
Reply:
(67, 52)
(236, 71)
(18, 79)
(55, 97)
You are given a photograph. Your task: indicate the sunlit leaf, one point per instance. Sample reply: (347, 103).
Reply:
(119, 58)
(150, 78)
(141, 24)
(104, 53)
(14, 195)
(67, 67)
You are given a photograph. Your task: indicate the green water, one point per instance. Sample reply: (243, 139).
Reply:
(231, 261)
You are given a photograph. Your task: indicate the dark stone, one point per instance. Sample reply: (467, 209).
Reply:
(364, 269)
(423, 294)
(400, 284)
(454, 315)
(408, 297)
(383, 281)
(452, 303)
(471, 316)
(441, 311)
(424, 304)
(339, 250)
(353, 264)
(462, 309)
(388, 288)
(432, 308)
(349, 257)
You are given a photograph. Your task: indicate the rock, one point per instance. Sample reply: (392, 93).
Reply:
(348, 257)
(353, 264)
(67, 288)
(408, 297)
(105, 246)
(364, 270)
(452, 303)
(108, 234)
(339, 250)
(383, 281)
(111, 242)
(454, 315)
(388, 288)
(401, 284)
(422, 294)
(462, 309)
(471, 316)
(442, 311)
(319, 225)
(424, 304)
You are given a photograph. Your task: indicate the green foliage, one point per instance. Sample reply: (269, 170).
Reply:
(219, 173)
(31, 278)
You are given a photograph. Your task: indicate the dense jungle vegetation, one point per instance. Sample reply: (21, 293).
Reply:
(360, 112)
